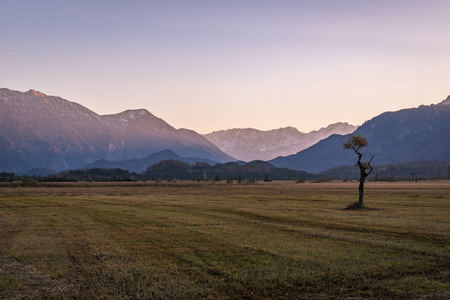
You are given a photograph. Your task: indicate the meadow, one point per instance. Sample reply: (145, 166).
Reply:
(267, 240)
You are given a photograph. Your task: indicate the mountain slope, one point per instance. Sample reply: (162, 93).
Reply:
(40, 131)
(140, 133)
(174, 169)
(421, 133)
(252, 144)
(139, 165)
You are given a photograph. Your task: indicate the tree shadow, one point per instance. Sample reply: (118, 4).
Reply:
(359, 206)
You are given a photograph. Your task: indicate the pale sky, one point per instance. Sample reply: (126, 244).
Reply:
(213, 65)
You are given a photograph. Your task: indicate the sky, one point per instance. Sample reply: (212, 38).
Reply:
(215, 65)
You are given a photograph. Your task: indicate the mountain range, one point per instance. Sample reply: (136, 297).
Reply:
(40, 131)
(421, 133)
(249, 144)
(45, 133)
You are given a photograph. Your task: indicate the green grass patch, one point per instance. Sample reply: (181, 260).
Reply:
(7, 283)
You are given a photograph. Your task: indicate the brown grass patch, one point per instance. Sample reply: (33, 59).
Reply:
(189, 241)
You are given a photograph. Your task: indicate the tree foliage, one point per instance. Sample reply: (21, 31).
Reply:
(356, 142)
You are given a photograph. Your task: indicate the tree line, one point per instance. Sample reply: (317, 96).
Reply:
(175, 170)
(258, 170)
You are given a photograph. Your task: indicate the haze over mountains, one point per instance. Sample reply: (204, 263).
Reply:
(139, 165)
(251, 144)
(40, 131)
(45, 132)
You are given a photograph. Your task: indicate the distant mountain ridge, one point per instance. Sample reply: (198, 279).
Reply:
(251, 144)
(40, 131)
(258, 170)
(139, 165)
(413, 134)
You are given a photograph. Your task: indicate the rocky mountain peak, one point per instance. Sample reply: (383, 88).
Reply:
(134, 114)
(288, 129)
(446, 101)
(36, 93)
(129, 116)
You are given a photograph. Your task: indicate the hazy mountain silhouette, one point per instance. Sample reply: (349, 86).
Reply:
(40, 131)
(413, 134)
(139, 165)
(258, 170)
(251, 144)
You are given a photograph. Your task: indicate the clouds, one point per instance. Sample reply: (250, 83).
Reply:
(10, 53)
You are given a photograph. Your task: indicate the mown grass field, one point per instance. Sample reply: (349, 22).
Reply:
(227, 241)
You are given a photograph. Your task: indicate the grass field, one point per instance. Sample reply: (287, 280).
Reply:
(208, 240)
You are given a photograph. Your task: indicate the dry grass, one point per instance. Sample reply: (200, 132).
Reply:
(205, 240)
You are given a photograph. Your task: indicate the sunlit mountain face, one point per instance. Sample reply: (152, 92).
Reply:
(40, 131)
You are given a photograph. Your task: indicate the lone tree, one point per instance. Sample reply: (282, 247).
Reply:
(356, 143)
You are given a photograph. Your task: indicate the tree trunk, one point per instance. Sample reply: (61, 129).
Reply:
(361, 190)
